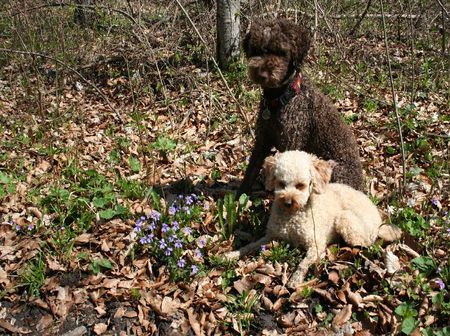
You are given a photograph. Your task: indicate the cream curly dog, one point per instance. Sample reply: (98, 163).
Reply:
(309, 211)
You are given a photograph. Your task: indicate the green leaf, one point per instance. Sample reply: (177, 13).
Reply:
(424, 264)
(120, 210)
(11, 188)
(406, 310)
(97, 264)
(99, 202)
(107, 214)
(134, 163)
(318, 308)
(105, 263)
(391, 150)
(408, 325)
(4, 179)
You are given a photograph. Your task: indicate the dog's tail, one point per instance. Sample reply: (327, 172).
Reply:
(389, 232)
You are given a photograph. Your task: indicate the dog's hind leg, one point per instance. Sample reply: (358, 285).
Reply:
(354, 231)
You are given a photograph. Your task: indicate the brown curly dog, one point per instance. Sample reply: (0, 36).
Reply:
(294, 114)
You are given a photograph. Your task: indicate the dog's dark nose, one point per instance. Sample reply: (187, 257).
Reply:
(287, 202)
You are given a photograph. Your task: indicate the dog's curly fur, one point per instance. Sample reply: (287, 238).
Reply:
(309, 211)
(309, 121)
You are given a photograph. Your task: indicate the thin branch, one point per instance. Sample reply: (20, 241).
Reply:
(316, 20)
(443, 8)
(218, 69)
(394, 99)
(413, 63)
(34, 54)
(344, 16)
(360, 20)
(337, 37)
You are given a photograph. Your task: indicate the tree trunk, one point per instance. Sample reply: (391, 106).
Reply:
(228, 27)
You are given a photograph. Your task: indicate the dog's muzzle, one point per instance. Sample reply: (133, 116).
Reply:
(289, 203)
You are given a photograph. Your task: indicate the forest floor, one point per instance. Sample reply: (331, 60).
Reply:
(116, 208)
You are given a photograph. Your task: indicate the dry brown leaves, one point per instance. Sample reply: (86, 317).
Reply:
(136, 296)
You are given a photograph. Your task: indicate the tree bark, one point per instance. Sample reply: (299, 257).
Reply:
(228, 27)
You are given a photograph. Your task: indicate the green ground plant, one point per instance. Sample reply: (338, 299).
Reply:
(169, 237)
(33, 275)
(242, 308)
(229, 212)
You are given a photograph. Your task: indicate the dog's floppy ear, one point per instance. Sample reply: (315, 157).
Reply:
(300, 39)
(252, 39)
(321, 174)
(269, 170)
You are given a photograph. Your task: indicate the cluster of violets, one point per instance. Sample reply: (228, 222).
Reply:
(168, 235)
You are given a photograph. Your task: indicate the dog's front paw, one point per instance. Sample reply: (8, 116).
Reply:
(296, 280)
(232, 255)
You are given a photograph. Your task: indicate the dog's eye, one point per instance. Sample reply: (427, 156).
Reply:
(281, 185)
(300, 186)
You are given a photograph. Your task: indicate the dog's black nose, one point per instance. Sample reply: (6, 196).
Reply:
(288, 203)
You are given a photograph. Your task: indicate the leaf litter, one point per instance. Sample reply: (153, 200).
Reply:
(103, 285)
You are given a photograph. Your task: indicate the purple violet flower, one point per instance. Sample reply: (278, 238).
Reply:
(162, 244)
(181, 263)
(152, 226)
(165, 227)
(155, 215)
(435, 201)
(175, 226)
(188, 200)
(440, 283)
(168, 251)
(187, 210)
(178, 244)
(194, 269)
(263, 248)
(138, 226)
(198, 253)
(201, 243)
(187, 230)
(172, 210)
